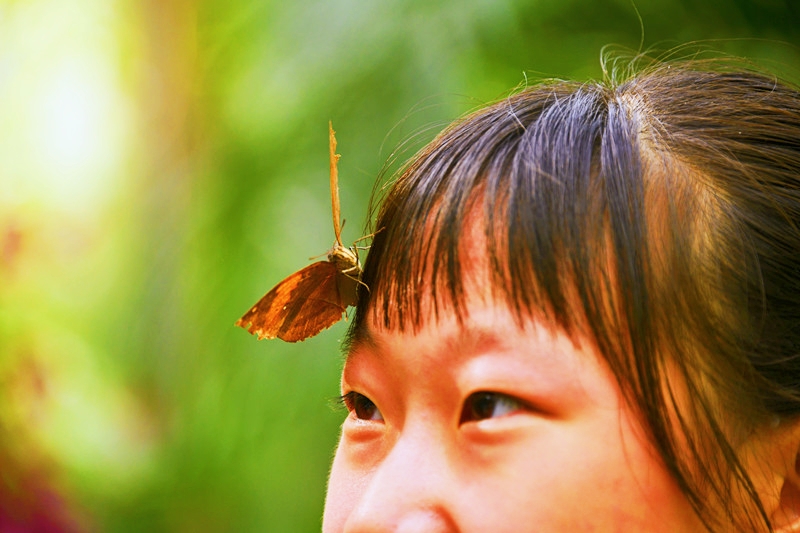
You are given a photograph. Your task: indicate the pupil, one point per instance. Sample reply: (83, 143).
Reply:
(364, 408)
(483, 405)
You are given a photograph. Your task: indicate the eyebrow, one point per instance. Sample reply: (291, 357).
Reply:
(479, 337)
(357, 338)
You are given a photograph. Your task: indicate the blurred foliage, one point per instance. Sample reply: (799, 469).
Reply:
(163, 163)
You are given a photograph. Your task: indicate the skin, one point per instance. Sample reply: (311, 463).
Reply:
(487, 426)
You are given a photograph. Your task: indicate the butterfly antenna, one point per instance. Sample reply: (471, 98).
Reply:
(337, 227)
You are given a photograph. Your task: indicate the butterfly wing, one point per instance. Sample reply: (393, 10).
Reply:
(298, 307)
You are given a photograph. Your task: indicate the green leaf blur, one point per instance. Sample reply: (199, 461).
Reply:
(163, 163)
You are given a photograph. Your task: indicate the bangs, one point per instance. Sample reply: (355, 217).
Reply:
(560, 208)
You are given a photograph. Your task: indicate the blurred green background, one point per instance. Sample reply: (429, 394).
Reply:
(163, 163)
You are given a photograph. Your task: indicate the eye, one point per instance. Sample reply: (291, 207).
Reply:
(361, 407)
(482, 405)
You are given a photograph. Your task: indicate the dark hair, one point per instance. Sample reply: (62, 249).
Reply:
(655, 218)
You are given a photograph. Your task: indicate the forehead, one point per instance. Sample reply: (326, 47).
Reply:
(475, 277)
(485, 319)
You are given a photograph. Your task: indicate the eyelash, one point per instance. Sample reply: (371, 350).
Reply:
(344, 401)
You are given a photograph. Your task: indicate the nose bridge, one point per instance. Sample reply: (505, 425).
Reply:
(413, 489)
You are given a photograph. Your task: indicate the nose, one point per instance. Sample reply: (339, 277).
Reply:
(412, 490)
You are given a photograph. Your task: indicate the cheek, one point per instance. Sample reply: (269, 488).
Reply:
(344, 489)
(581, 478)
(566, 481)
(610, 479)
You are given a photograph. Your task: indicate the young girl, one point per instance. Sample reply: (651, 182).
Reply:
(584, 315)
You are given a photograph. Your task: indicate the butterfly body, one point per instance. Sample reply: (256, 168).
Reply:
(349, 268)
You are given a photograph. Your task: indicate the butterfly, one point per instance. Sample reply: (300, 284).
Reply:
(316, 297)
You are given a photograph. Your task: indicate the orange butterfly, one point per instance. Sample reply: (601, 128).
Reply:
(315, 297)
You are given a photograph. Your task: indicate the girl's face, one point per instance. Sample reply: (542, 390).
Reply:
(486, 426)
